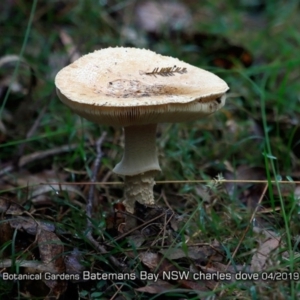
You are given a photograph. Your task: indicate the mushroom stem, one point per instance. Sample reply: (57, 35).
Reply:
(139, 164)
(139, 151)
(139, 188)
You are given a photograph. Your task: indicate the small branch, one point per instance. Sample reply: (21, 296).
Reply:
(89, 206)
(26, 159)
(96, 168)
(170, 71)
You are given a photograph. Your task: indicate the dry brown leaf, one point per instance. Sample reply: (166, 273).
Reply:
(156, 262)
(72, 261)
(51, 252)
(31, 226)
(150, 259)
(9, 207)
(259, 259)
(136, 240)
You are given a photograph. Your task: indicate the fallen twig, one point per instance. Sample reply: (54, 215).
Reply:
(89, 206)
(26, 159)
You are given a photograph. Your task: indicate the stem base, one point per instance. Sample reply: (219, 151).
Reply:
(139, 188)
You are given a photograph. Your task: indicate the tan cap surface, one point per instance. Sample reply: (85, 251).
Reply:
(130, 86)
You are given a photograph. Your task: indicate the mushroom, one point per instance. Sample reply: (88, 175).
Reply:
(137, 89)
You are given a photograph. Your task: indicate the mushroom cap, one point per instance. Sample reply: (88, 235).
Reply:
(130, 86)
